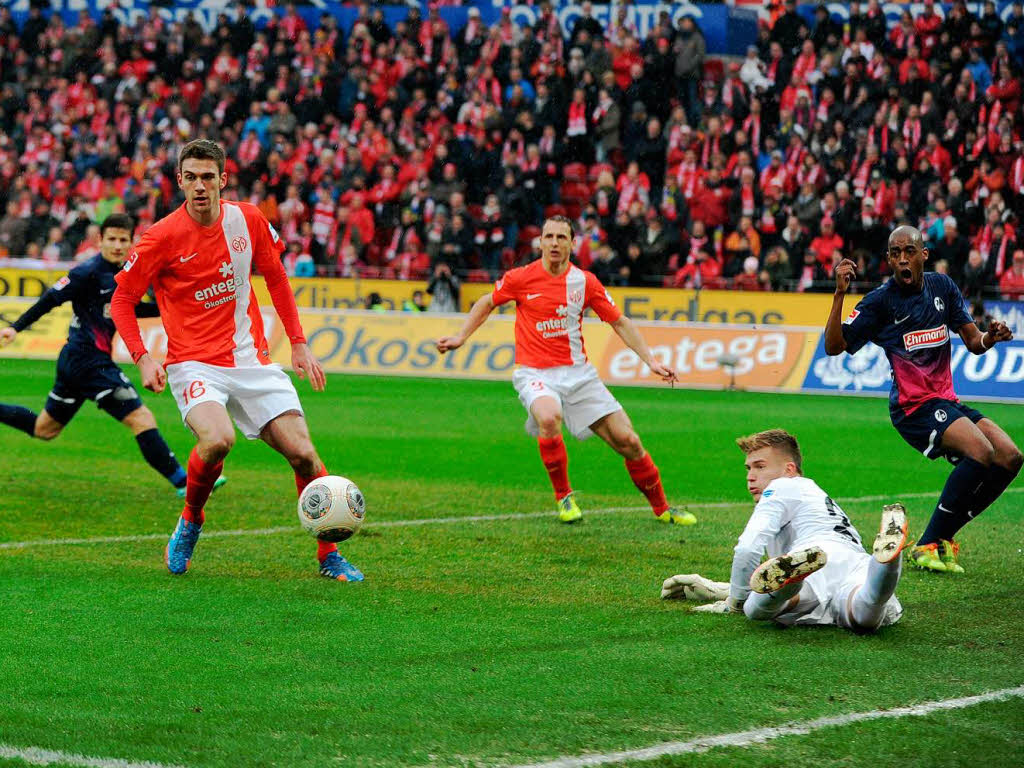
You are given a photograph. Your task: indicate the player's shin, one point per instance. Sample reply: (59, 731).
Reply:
(18, 417)
(201, 478)
(867, 608)
(997, 480)
(953, 511)
(556, 462)
(158, 455)
(647, 479)
(323, 548)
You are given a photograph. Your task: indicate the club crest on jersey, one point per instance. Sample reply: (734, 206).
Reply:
(940, 305)
(767, 493)
(933, 337)
(575, 297)
(854, 314)
(239, 244)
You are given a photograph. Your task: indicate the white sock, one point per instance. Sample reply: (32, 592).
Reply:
(868, 606)
(766, 607)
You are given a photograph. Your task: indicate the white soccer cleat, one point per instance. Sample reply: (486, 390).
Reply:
(772, 575)
(892, 534)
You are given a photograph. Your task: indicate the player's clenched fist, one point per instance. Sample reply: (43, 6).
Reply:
(7, 336)
(997, 331)
(446, 343)
(154, 377)
(845, 272)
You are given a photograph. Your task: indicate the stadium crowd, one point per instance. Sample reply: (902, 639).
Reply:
(409, 151)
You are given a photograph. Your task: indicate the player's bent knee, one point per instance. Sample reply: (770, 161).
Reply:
(47, 433)
(550, 425)
(218, 446)
(630, 446)
(1014, 461)
(981, 450)
(140, 420)
(303, 460)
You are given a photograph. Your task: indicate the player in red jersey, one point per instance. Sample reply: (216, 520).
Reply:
(554, 380)
(199, 262)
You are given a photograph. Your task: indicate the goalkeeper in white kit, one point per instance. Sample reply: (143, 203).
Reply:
(817, 571)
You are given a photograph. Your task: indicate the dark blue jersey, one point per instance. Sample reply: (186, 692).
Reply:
(913, 329)
(88, 287)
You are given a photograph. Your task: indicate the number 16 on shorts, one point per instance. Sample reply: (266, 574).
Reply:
(193, 390)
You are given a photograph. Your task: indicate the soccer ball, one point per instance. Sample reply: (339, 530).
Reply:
(332, 508)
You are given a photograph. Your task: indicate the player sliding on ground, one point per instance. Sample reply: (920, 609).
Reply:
(819, 572)
(85, 370)
(910, 317)
(199, 260)
(554, 379)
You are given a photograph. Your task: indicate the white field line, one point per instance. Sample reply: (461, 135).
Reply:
(429, 521)
(36, 756)
(761, 735)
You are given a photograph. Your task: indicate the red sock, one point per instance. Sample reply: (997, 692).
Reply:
(323, 548)
(646, 477)
(199, 486)
(556, 462)
(301, 482)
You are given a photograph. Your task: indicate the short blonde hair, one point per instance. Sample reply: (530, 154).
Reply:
(772, 438)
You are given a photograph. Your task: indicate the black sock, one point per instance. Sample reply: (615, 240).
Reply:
(997, 480)
(954, 508)
(18, 417)
(158, 454)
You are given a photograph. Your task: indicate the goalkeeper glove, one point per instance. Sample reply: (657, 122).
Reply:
(693, 586)
(722, 606)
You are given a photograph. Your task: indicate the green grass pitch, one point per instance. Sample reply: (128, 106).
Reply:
(486, 642)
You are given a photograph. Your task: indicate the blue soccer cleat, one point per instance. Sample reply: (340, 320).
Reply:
(216, 484)
(336, 567)
(178, 554)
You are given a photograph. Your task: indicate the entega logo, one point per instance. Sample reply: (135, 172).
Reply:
(555, 326)
(226, 289)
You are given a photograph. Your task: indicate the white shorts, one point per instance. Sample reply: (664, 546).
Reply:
(578, 389)
(826, 595)
(252, 396)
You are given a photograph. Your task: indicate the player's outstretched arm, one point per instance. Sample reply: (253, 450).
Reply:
(63, 290)
(478, 313)
(627, 331)
(834, 341)
(979, 343)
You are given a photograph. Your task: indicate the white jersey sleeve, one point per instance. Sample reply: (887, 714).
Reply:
(770, 516)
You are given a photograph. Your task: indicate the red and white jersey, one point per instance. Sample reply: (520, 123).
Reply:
(202, 280)
(549, 312)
